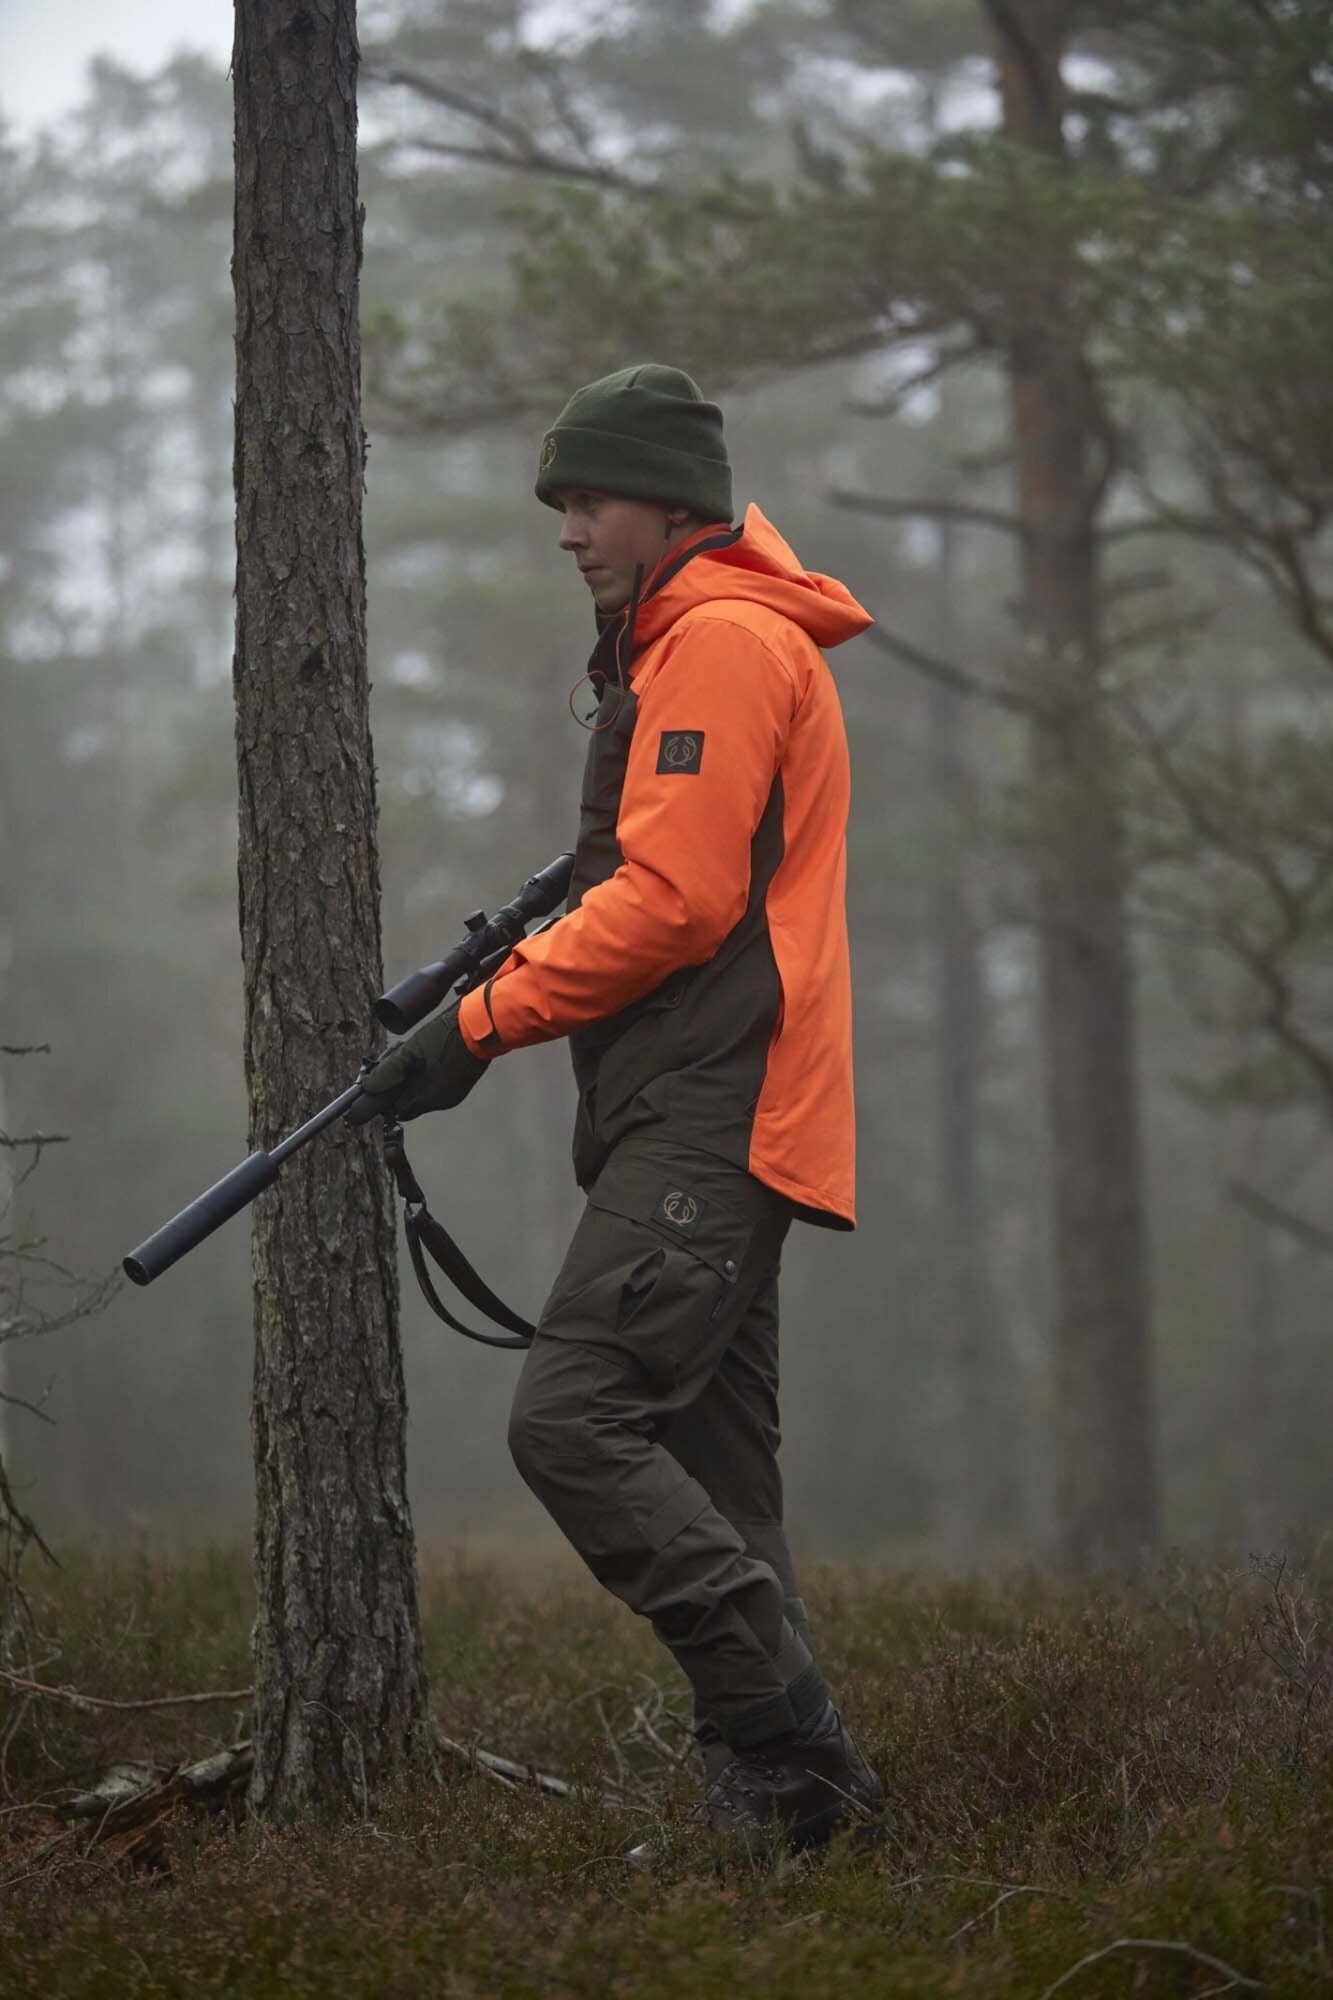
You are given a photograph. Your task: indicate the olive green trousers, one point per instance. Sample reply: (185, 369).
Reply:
(646, 1422)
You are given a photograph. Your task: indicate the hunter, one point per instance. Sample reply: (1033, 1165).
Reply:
(701, 976)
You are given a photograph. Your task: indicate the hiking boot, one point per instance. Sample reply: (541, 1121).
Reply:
(798, 1790)
(715, 1753)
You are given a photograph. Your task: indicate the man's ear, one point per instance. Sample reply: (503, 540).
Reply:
(677, 516)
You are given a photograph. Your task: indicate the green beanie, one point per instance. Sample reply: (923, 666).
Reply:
(645, 433)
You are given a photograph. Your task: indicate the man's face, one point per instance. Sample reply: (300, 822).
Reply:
(610, 536)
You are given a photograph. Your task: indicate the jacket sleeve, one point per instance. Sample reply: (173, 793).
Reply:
(709, 737)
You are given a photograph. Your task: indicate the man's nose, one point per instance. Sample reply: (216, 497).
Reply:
(572, 536)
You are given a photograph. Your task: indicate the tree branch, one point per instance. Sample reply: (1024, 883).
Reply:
(1166, 521)
(955, 678)
(1261, 1205)
(1156, 629)
(926, 509)
(533, 160)
(519, 151)
(476, 108)
(1135, 584)
(893, 399)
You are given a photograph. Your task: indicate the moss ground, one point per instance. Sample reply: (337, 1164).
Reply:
(1143, 1773)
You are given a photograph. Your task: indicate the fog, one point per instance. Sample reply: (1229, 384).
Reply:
(920, 1410)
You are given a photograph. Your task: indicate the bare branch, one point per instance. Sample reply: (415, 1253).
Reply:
(22, 1403)
(891, 402)
(518, 151)
(15, 1524)
(926, 509)
(535, 160)
(476, 108)
(546, 69)
(1156, 1944)
(1272, 1212)
(945, 672)
(1291, 903)
(25, 1048)
(1165, 521)
(1135, 584)
(1278, 1015)
(1156, 629)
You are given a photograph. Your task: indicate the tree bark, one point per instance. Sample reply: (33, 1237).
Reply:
(1107, 1487)
(340, 1689)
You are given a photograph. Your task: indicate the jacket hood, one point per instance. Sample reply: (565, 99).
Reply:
(754, 565)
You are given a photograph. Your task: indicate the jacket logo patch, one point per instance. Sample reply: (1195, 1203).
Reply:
(680, 750)
(680, 1210)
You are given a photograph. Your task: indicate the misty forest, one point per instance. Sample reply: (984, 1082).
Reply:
(1019, 314)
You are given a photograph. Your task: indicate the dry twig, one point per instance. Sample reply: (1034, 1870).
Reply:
(91, 1704)
(1158, 1944)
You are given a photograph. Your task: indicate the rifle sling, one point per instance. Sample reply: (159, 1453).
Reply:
(428, 1237)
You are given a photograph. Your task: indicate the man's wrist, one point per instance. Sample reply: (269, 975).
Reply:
(475, 1025)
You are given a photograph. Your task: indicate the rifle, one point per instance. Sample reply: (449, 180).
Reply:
(481, 951)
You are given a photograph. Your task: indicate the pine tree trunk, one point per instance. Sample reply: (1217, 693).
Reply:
(1107, 1490)
(340, 1688)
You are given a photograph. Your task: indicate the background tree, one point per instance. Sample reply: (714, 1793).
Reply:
(340, 1692)
(119, 793)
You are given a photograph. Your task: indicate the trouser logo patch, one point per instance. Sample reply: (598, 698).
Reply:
(680, 1210)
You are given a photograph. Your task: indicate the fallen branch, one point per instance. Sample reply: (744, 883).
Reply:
(1157, 1944)
(91, 1704)
(131, 1811)
(503, 1770)
(516, 1777)
(130, 1793)
(126, 1784)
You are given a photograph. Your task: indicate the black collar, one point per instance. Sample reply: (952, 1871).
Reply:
(614, 651)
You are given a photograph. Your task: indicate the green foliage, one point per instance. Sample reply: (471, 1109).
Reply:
(1068, 1771)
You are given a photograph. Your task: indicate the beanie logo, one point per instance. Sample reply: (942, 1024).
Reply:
(548, 453)
(680, 751)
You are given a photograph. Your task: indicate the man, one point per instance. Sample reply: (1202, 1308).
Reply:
(701, 974)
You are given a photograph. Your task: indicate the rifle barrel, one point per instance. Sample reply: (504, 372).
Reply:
(227, 1197)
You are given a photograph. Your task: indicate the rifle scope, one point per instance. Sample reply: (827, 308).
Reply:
(488, 944)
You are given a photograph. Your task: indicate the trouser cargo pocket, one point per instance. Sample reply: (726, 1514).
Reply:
(657, 1269)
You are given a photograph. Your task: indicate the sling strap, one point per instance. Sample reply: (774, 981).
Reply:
(428, 1237)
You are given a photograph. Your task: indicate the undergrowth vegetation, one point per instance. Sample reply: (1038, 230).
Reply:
(1110, 1791)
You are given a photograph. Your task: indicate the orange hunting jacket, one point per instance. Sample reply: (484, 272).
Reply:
(701, 972)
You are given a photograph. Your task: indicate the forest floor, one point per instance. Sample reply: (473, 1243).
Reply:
(1099, 1792)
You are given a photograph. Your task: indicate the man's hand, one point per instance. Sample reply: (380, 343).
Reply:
(432, 1070)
